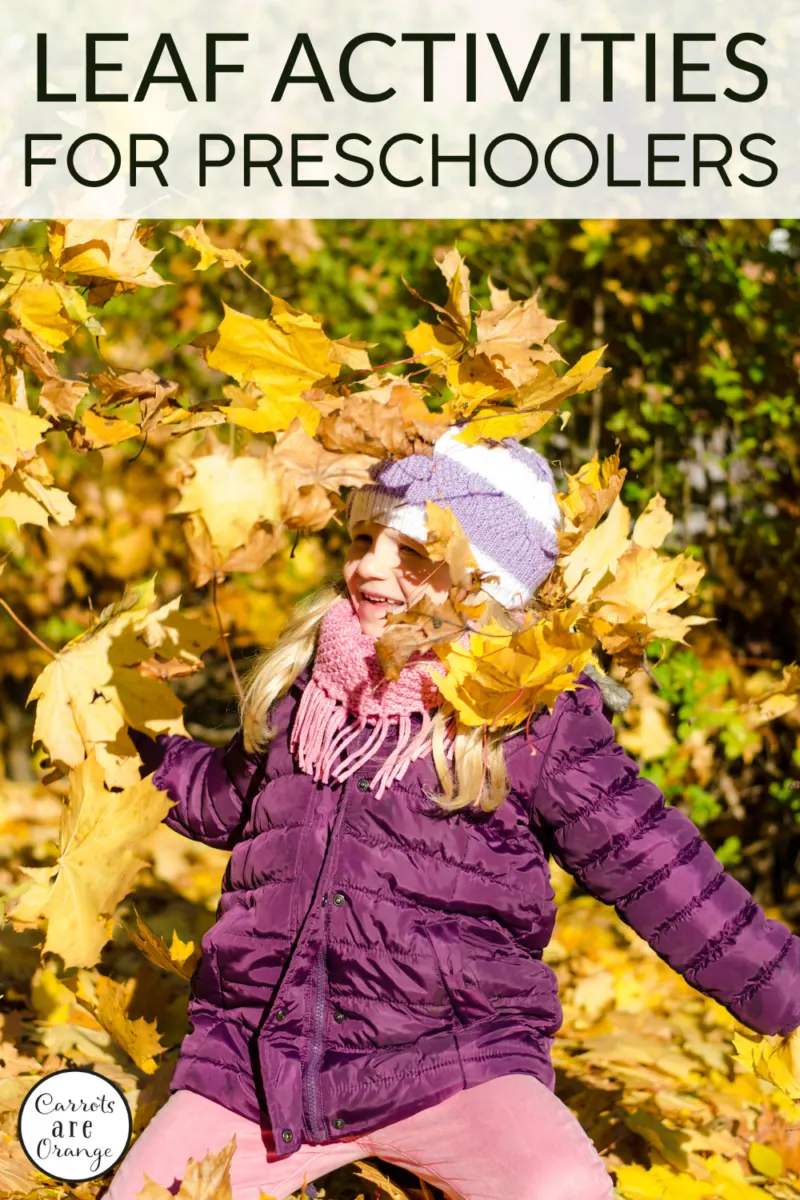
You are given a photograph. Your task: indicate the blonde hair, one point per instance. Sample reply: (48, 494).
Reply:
(478, 776)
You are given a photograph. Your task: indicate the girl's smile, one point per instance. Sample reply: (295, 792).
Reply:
(388, 571)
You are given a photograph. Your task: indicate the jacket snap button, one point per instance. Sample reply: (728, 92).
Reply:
(363, 784)
(338, 1123)
(338, 1016)
(338, 899)
(287, 1135)
(280, 1014)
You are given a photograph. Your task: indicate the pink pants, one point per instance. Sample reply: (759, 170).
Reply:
(509, 1137)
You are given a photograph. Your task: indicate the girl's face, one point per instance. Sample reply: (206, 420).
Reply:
(387, 571)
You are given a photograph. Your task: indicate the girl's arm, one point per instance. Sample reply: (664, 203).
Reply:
(613, 831)
(212, 787)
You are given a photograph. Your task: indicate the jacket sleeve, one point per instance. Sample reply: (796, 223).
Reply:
(612, 830)
(212, 787)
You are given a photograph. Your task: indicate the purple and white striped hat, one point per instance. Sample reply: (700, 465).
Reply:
(502, 493)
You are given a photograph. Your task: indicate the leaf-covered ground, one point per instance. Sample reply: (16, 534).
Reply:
(643, 1060)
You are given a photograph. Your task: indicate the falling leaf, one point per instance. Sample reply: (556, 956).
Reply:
(500, 677)
(391, 419)
(778, 700)
(597, 554)
(96, 864)
(107, 431)
(636, 606)
(590, 493)
(108, 1002)
(310, 475)
(651, 737)
(28, 498)
(93, 689)
(415, 630)
(283, 354)
(513, 335)
(20, 433)
(448, 543)
(230, 496)
(151, 391)
(273, 416)
(196, 237)
(653, 525)
(179, 957)
(104, 250)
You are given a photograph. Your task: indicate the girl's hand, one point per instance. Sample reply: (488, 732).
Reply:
(776, 1059)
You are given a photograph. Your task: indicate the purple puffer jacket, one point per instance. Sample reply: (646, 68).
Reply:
(371, 958)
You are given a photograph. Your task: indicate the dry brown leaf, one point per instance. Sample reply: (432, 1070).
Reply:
(389, 421)
(416, 630)
(310, 477)
(152, 391)
(512, 334)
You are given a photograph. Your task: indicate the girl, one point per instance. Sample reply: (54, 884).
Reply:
(374, 983)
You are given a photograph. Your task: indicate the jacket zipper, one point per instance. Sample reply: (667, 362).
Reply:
(314, 1062)
(315, 1054)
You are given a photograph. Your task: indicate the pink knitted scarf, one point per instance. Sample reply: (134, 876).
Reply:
(347, 682)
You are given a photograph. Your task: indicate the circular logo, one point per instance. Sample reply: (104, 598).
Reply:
(74, 1125)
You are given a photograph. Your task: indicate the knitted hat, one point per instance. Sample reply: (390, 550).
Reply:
(502, 493)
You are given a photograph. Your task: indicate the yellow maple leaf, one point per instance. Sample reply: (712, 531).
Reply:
(20, 434)
(27, 498)
(108, 250)
(231, 496)
(651, 736)
(637, 604)
(107, 431)
(96, 864)
(776, 1059)
(448, 543)
(533, 403)
(205, 1179)
(196, 237)
(273, 416)
(351, 354)
(179, 957)
(38, 307)
(283, 354)
(498, 677)
(93, 688)
(777, 700)
(434, 345)
(473, 380)
(108, 1002)
(590, 493)
(653, 524)
(598, 553)
(311, 475)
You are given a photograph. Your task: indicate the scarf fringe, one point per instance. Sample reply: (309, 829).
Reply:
(347, 692)
(323, 728)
